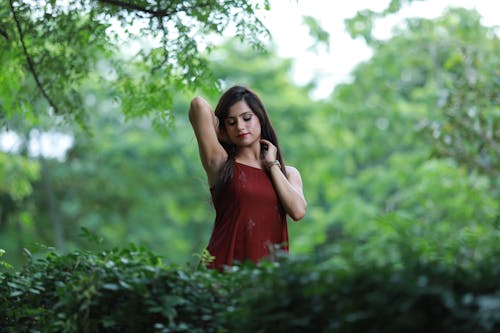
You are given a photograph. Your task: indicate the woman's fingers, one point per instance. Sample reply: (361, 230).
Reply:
(270, 150)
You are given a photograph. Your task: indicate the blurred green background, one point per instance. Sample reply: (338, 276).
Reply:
(407, 151)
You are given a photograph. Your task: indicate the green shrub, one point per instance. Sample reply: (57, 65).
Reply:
(421, 297)
(125, 290)
(132, 290)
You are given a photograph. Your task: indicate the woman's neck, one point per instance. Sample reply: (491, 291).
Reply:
(249, 156)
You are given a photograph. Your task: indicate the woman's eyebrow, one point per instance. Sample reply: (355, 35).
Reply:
(241, 114)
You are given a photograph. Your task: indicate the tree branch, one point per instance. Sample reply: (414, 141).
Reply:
(30, 61)
(139, 8)
(477, 133)
(468, 160)
(158, 13)
(4, 34)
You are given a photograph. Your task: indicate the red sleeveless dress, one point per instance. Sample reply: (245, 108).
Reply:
(249, 219)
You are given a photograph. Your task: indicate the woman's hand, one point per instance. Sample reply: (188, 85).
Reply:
(268, 152)
(289, 187)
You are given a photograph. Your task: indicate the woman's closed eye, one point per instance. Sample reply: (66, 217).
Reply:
(232, 121)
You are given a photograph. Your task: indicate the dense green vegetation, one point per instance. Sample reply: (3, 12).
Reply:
(140, 52)
(132, 290)
(400, 167)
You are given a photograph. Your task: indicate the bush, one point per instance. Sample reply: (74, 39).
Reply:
(124, 290)
(131, 290)
(421, 297)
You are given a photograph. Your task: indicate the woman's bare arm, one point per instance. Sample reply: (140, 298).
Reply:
(289, 191)
(205, 126)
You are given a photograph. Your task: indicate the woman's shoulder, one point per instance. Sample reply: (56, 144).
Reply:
(292, 171)
(290, 168)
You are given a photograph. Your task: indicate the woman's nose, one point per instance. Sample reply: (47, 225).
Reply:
(240, 124)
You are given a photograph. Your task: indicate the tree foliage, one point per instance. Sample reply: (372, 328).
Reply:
(372, 173)
(466, 125)
(399, 167)
(50, 47)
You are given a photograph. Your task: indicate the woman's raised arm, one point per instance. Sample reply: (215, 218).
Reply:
(205, 126)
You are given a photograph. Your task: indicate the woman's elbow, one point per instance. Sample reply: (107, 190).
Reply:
(197, 106)
(198, 103)
(298, 213)
(194, 107)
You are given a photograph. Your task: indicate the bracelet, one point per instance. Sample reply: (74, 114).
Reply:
(270, 164)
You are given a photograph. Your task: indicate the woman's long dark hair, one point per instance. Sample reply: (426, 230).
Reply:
(228, 99)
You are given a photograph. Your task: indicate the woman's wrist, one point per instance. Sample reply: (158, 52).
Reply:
(269, 165)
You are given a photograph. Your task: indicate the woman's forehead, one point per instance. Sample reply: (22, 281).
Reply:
(238, 109)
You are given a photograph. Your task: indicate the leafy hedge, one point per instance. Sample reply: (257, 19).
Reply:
(124, 290)
(431, 297)
(131, 290)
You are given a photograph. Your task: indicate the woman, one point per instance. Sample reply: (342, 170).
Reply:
(252, 189)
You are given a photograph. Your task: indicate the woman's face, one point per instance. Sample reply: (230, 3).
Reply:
(242, 125)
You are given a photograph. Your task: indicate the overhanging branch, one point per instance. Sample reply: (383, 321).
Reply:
(135, 7)
(31, 65)
(158, 13)
(4, 34)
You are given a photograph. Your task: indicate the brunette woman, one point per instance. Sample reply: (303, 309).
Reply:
(251, 187)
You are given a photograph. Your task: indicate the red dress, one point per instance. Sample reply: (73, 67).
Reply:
(249, 218)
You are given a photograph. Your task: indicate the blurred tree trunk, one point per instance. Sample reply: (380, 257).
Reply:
(52, 204)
